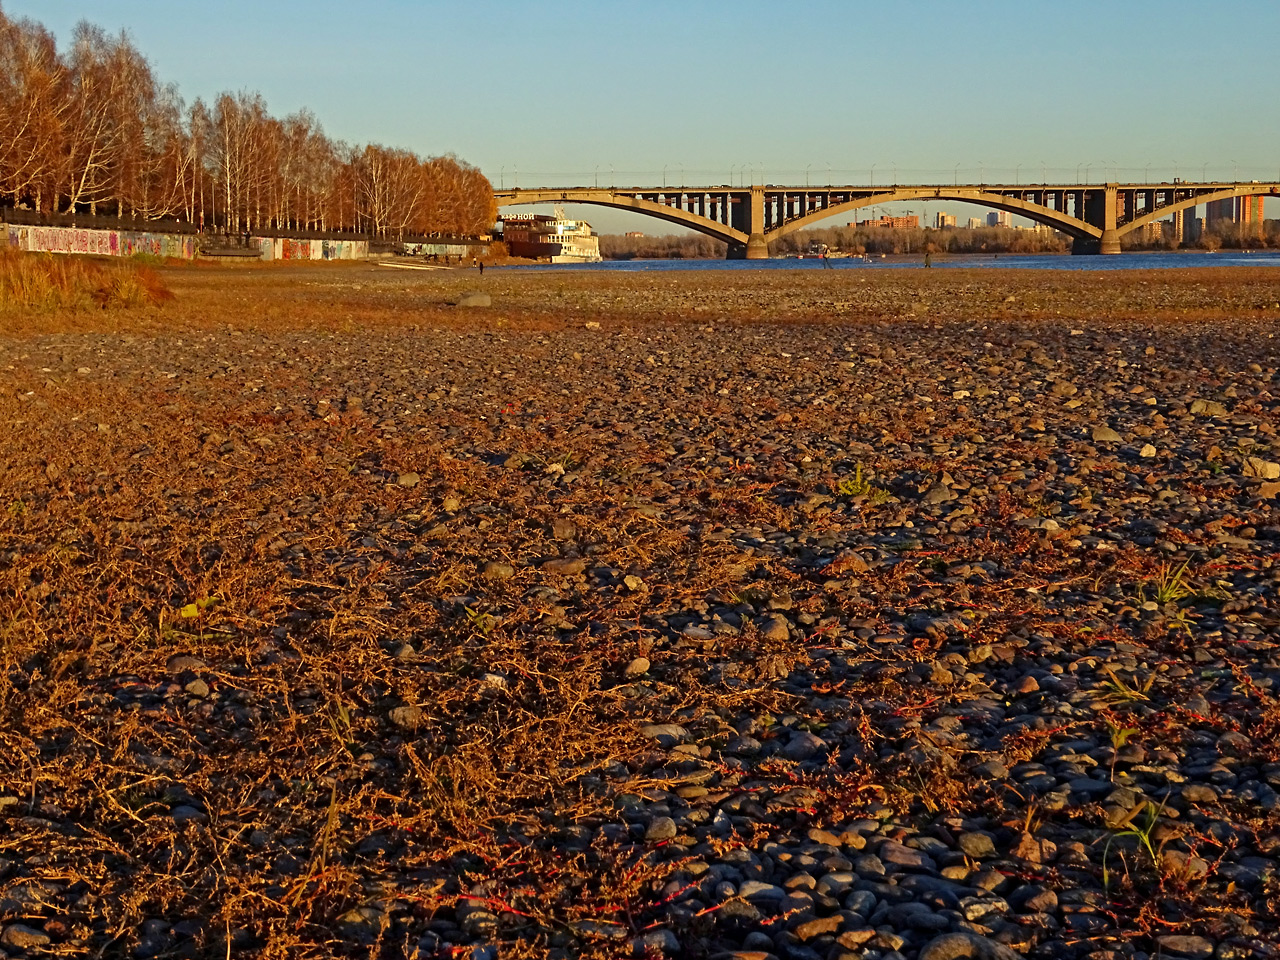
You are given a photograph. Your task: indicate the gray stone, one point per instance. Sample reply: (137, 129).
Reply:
(22, 937)
(803, 745)
(661, 828)
(498, 570)
(1104, 434)
(409, 480)
(406, 717)
(1198, 793)
(181, 663)
(965, 946)
(938, 492)
(1090, 787)
(903, 856)
(638, 667)
(977, 845)
(187, 814)
(565, 566)
(1198, 948)
(775, 629)
(758, 890)
(1262, 469)
(1208, 408)
(668, 734)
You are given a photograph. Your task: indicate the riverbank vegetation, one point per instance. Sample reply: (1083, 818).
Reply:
(45, 282)
(91, 129)
(899, 240)
(672, 246)
(855, 241)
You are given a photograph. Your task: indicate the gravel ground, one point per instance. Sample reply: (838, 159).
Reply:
(700, 616)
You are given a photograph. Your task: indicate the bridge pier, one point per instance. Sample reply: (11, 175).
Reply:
(756, 248)
(1110, 242)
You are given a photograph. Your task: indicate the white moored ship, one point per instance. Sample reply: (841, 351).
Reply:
(553, 238)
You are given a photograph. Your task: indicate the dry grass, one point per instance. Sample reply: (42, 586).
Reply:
(49, 282)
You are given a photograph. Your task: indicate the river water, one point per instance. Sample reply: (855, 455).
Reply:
(1123, 261)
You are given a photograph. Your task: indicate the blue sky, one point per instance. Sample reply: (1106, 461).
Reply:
(571, 92)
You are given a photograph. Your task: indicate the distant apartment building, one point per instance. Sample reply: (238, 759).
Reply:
(1153, 231)
(1249, 211)
(975, 223)
(1242, 210)
(1177, 225)
(1220, 211)
(899, 222)
(634, 234)
(944, 220)
(999, 218)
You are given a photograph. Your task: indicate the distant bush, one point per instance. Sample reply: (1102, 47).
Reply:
(47, 281)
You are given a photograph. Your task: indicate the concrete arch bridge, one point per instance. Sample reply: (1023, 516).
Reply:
(1095, 216)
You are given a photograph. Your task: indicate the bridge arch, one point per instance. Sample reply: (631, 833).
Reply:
(607, 198)
(1226, 193)
(1069, 225)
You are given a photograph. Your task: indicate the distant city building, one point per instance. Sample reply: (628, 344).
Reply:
(1220, 211)
(944, 220)
(999, 218)
(1249, 211)
(899, 222)
(974, 223)
(633, 234)
(1243, 210)
(1177, 225)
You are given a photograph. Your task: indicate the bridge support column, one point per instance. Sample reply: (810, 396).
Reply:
(757, 247)
(1110, 242)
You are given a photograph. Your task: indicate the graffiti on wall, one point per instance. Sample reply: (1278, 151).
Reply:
(106, 243)
(127, 243)
(279, 248)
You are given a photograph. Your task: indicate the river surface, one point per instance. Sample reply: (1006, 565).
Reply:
(1122, 261)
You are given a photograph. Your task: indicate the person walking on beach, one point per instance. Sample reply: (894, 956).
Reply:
(928, 259)
(482, 268)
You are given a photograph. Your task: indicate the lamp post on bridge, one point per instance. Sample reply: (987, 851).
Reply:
(1044, 173)
(664, 176)
(1077, 173)
(597, 176)
(873, 175)
(1017, 174)
(502, 179)
(806, 175)
(1204, 172)
(828, 173)
(1235, 171)
(955, 175)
